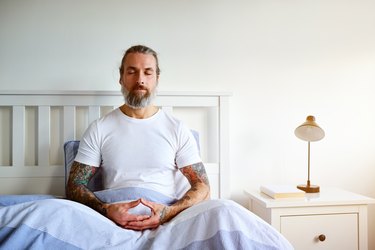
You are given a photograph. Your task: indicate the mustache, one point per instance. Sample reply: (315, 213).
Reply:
(139, 87)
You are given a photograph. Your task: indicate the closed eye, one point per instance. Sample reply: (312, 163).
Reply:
(130, 71)
(149, 71)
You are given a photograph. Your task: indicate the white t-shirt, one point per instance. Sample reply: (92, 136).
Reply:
(138, 152)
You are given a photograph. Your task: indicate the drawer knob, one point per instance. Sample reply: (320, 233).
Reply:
(322, 237)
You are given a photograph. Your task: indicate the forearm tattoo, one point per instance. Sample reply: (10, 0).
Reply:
(77, 190)
(162, 215)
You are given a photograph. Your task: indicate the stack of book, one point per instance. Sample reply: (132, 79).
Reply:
(282, 191)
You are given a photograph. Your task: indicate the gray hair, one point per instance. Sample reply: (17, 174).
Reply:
(143, 50)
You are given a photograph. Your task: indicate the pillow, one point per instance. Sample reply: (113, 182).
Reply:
(133, 193)
(70, 152)
(96, 182)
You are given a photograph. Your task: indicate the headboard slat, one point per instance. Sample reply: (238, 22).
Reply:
(18, 141)
(94, 113)
(44, 133)
(69, 123)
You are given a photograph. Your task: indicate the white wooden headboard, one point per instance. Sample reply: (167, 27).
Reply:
(35, 124)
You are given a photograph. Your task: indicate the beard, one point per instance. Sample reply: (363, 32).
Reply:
(135, 100)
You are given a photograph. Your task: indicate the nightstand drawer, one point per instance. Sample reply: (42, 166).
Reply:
(340, 231)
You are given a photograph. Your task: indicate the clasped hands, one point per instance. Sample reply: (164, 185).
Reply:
(119, 213)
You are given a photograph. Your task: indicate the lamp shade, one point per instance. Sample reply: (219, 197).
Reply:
(309, 130)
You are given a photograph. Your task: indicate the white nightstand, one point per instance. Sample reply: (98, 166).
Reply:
(331, 219)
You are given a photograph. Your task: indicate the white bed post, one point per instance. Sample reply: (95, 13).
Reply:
(224, 147)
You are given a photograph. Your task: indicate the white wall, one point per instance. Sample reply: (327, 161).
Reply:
(282, 60)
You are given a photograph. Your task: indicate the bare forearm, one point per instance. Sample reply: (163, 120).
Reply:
(83, 195)
(77, 187)
(197, 193)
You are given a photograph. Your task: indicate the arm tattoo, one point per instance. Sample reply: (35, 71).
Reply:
(196, 175)
(162, 215)
(199, 191)
(77, 190)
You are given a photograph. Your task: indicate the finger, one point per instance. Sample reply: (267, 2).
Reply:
(143, 217)
(133, 203)
(125, 222)
(150, 222)
(147, 203)
(140, 226)
(150, 205)
(135, 217)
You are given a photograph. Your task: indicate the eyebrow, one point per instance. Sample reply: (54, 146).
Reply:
(131, 67)
(135, 68)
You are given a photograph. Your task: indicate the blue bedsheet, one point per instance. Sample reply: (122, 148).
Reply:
(64, 224)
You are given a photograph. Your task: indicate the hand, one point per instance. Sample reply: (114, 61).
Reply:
(118, 212)
(158, 217)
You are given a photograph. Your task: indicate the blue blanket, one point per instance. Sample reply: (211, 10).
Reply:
(64, 224)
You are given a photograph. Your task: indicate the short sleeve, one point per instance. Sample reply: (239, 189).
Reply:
(188, 152)
(89, 147)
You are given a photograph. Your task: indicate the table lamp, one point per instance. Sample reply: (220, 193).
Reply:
(309, 131)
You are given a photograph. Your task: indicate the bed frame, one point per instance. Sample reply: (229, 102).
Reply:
(35, 124)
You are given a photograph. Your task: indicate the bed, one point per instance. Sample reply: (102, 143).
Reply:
(34, 214)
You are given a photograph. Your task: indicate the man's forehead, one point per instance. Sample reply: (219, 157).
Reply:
(140, 60)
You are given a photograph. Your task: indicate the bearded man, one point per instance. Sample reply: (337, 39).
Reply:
(139, 148)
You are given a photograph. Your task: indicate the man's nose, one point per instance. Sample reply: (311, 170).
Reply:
(140, 78)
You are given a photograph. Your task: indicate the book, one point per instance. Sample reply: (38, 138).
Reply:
(282, 191)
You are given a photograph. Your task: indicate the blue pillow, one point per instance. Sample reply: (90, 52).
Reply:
(133, 193)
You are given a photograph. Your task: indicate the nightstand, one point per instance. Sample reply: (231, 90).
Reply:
(331, 219)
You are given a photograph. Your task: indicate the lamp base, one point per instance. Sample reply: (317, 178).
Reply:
(309, 188)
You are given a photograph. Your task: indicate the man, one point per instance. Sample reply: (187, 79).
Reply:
(138, 146)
